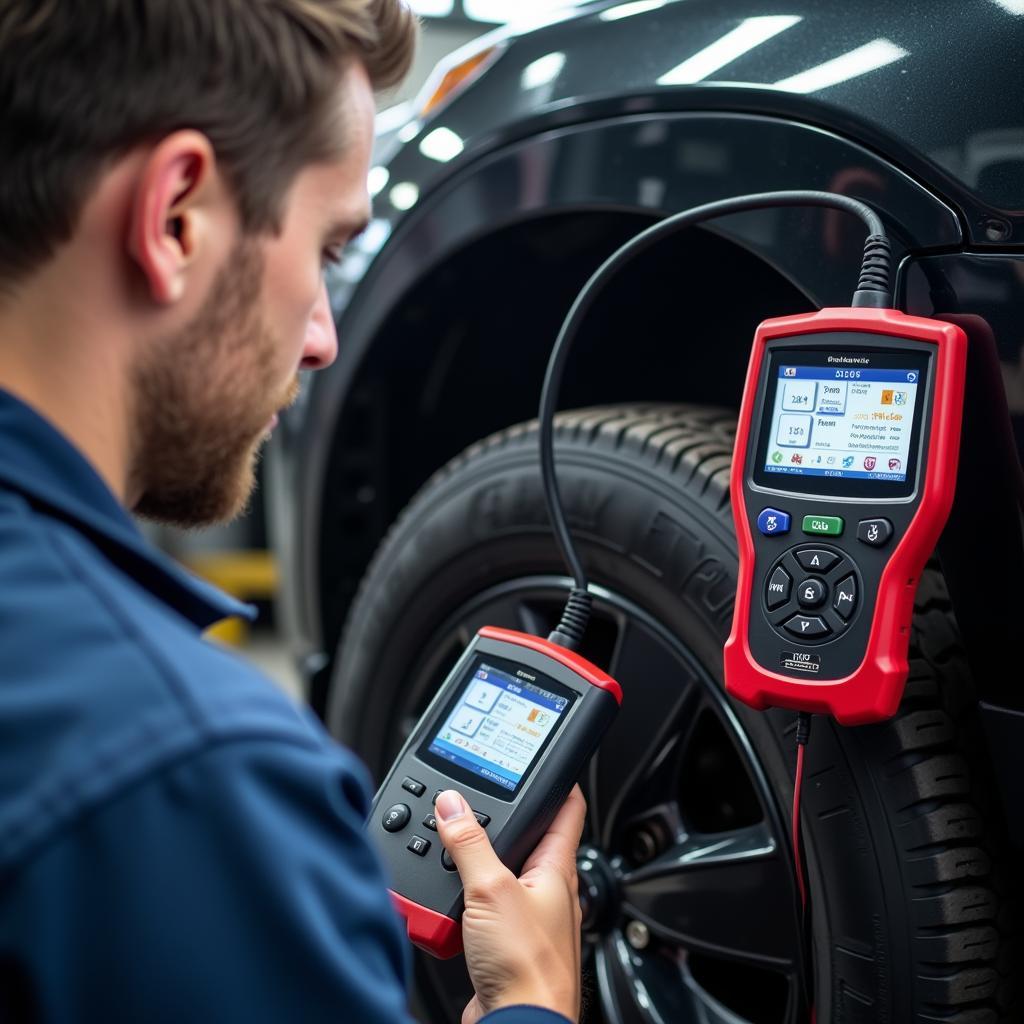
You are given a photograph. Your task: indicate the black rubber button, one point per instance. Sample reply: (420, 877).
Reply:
(811, 593)
(446, 861)
(396, 819)
(845, 601)
(806, 626)
(778, 589)
(816, 560)
(414, 787)
(874, 532)
(419, 846)
(484, 819)
(430, 821)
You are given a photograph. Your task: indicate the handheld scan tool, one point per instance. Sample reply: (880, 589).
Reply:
(511, 729)
(843, 478)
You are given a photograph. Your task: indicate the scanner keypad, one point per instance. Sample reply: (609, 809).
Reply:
(398, 817)
(811, 594)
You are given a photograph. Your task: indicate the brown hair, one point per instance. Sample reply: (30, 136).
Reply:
(83, 81)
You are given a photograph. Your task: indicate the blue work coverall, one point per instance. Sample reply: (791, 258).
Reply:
(178, 840)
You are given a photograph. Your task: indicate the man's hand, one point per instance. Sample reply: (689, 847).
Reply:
(522, 935)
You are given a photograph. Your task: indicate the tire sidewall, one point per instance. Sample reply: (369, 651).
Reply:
(671, 550)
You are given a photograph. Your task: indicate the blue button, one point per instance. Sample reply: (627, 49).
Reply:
(771, 521)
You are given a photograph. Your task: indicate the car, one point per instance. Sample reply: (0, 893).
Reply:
(404, 496)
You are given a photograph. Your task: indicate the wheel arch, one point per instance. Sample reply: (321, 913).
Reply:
(463, 355)
(577, 193)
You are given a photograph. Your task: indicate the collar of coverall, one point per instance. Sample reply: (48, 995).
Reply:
(39, 463)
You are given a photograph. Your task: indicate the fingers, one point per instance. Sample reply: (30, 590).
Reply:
(468, 845)
(478, 864)
(562, 839)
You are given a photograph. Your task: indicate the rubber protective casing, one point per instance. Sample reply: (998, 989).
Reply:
(873, 691)
(439, 933)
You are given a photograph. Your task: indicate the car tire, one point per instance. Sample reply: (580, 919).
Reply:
(913, 915)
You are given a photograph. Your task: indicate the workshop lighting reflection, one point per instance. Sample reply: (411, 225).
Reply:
(442, 144)
(373, 238)
(543, 70)
(392, 118)
(750, 33)
(377, 180)
(409, 131)
(869, 57)
(404, 196)
(502, 11)
(432, 8)
(628, 10)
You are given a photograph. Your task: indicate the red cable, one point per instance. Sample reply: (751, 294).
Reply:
(797, 858)
(803, 732)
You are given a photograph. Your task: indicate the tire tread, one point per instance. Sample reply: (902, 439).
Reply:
(929, 760)
(931, 796)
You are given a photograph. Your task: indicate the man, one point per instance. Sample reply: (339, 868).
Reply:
(178, 842)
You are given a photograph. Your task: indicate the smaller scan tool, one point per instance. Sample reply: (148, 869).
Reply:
(511, 728)
(843, 478)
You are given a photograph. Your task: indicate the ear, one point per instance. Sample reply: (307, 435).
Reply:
(169, 226)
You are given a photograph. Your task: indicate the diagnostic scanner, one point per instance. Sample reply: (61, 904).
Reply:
(843, 478)
(511, 728)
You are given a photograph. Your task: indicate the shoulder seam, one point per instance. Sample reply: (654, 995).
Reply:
(22, 513)
(136, 636)
(150, 773)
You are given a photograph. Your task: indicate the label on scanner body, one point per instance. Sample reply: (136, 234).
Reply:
(801, 661)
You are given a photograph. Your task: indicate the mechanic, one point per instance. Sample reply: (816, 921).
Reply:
(178, 841)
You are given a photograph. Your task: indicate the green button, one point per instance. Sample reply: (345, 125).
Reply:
(831, 525)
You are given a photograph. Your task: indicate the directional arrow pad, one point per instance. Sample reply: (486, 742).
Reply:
(816, 559)
(806, 626)
(778, 590)
(845, 602)
(812, 593)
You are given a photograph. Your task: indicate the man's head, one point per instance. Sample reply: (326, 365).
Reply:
(213, 153)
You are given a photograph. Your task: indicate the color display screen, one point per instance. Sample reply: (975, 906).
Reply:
(499, 723)
(843, 422)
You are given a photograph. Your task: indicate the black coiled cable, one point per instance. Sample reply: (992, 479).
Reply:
(873, 290)
(569, 632)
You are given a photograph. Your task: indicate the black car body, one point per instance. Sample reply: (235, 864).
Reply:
(573, 136)
(935, 140)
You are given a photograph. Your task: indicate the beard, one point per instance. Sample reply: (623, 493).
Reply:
(204, 398)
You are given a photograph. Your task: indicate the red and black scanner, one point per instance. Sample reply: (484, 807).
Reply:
(511, 728)
(843, 477)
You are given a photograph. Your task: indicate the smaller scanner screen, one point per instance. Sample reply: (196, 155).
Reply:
(499, 723)
(845, 422)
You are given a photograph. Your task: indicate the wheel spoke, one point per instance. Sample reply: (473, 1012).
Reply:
(508, 611)
(707, 1009)
(652, 987)
(634, 993)
(660, 698)
(728, 894)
